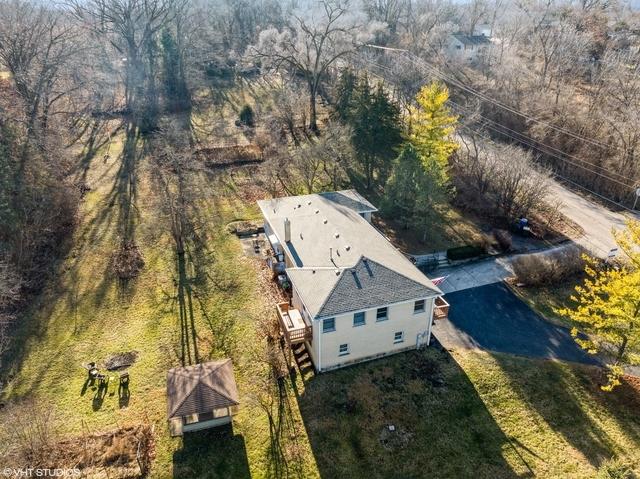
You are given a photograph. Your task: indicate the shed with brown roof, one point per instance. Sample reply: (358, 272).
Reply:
(201, 396)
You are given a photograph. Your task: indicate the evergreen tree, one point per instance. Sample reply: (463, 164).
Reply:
(414, 190)
(377, 131)
(345, 92)
(176, 93)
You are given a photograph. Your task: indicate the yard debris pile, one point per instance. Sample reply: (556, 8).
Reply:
(123, 453)
(245, 228)
(127, 262)
(119, 361)
(224, 156)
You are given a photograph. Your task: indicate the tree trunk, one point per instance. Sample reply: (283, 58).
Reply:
(313, 124)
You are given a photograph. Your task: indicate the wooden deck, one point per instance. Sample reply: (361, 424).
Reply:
(293, 325)
(441, 308)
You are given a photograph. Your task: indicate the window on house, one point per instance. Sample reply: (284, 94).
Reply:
(328, 325)
(343, 350)
(418, 306)
(458, 47)
(358, 319)
(205, 416)
(381, 314)
(398, 337)
(221, 412)
(190, 419)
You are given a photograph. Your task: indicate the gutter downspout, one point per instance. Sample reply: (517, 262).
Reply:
(433, 304)
(319, 345)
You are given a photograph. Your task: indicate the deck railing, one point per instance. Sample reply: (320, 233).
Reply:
(294, 333)
(441, 308)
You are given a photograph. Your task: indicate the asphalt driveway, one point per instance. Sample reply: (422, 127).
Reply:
(491, 317)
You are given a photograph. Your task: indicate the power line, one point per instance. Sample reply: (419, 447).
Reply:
(469, 129)
(532, 143)
(423, 63)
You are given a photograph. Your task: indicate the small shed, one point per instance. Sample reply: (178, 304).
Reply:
(201, 396)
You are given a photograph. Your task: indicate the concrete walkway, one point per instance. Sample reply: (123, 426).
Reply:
(472, 275)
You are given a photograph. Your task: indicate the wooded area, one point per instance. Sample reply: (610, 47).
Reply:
(420, 104)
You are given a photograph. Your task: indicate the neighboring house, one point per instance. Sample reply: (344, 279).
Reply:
(469, 48)
(201, 396)
(354, 296)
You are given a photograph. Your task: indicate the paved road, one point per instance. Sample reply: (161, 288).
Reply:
(491, 317)
(596, 220)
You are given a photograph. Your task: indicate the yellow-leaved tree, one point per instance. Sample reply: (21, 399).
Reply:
(607, 311)
(431, 124)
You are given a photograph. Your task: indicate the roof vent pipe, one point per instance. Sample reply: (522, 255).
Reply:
(287, 230)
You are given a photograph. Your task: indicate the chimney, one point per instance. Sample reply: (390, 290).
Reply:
(287, 230)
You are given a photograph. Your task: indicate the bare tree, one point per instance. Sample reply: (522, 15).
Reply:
(36, 43)
(505, 176)
(131, 28)
(309, 47)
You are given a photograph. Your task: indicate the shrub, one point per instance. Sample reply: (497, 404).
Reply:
(465, 252)
(548, 267)
(247, 116)
(127, 261)
(503, 237)
(614, 469)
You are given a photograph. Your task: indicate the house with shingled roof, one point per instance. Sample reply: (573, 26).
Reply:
(354, 296)
(468, 48)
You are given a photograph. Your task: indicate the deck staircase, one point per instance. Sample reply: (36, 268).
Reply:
(303, 360)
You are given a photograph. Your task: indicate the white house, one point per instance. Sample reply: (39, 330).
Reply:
(468, 48)
(354, 296)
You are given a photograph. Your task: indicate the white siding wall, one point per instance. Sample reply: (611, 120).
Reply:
(375, 338)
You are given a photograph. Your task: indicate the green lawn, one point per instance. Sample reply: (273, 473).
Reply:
(494, 416)
(86, 315)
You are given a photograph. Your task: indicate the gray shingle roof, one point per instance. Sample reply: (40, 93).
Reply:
(471, 39)
(201, 388)
(328, 238)
(369, 284)
(351, 199)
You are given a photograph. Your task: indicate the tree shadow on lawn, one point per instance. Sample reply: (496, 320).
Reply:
(212, 453)
(442, 426)
(567, 396)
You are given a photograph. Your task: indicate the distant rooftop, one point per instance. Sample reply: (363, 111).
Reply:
(342, 263)
(471, 39)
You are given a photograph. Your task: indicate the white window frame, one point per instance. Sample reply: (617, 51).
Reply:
(345, 352)
(364, 319)
(424, 306)
(386, 315)
(395, 335)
